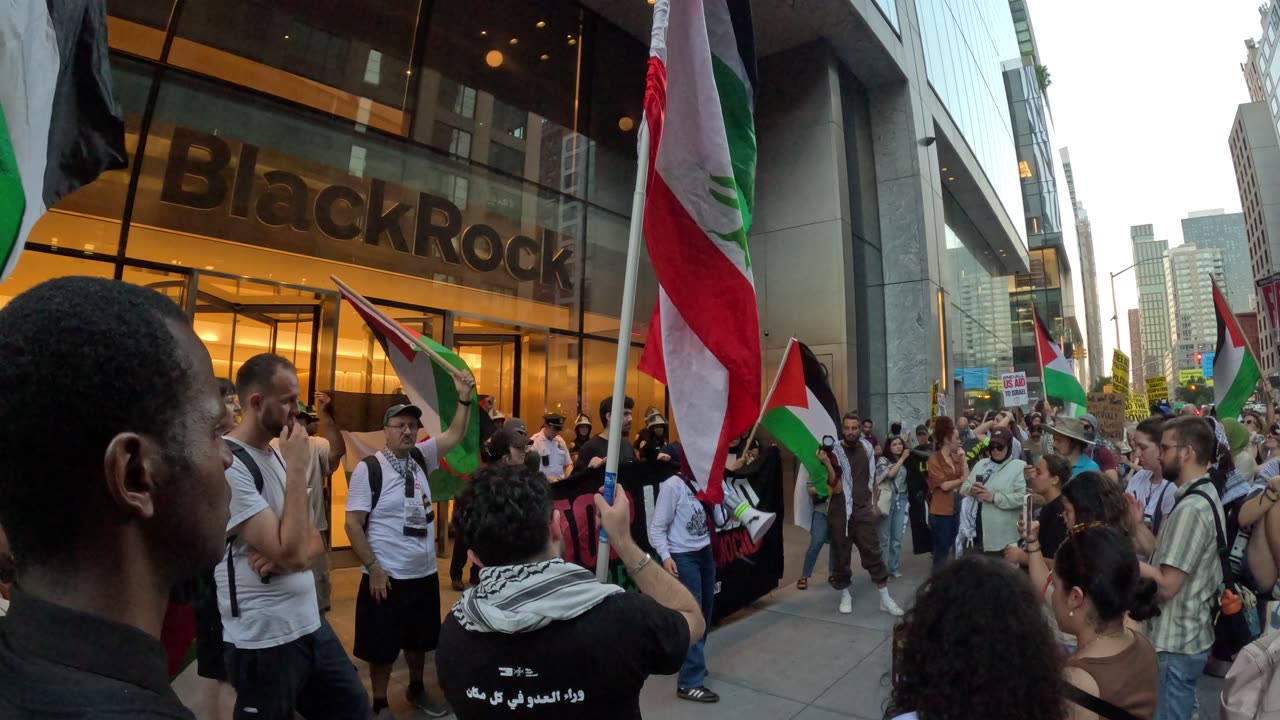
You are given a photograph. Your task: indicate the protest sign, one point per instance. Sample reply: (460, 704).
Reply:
(1110, 409)
(1157, 389)
(1015, 389)
(1120, 372)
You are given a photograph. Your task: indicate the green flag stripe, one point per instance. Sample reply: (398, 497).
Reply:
(13, 201)
(740, 131)
(465, 458)
(1242, 387)
(795, 436)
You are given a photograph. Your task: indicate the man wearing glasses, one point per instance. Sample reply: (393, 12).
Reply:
(391, 525)
(1185, 565)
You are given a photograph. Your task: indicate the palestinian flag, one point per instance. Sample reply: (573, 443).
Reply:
(801, 409)
(428, 384)
(1060, 381)
(704, 337)
(60, 126)
(1235, 371)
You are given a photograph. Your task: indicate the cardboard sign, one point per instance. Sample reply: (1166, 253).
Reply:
(933, 401)
(1139, 408)
(1119, 372)
(1015, 389)
(1157, 389)
(1110, 410)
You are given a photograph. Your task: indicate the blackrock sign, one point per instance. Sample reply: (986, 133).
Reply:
(199, 174)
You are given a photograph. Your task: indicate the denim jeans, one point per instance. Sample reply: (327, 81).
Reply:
(891, 527)
(818, 534)
(697, 573)
(311, 676)
(1178, 676)
(944, 529)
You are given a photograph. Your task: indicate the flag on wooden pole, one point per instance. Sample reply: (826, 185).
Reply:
(1235, 371)
(1060, 381)
(704, 338)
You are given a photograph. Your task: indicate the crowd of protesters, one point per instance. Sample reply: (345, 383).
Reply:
(1072, 575)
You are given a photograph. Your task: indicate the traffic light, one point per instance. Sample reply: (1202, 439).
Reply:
(1199, 357)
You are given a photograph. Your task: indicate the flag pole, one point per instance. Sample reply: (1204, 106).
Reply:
(1262, 381)
(407, 337)
(624, 339)
(786, 352)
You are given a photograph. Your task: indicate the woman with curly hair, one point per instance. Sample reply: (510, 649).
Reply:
(947, 472)
(1095, 583)
(973, 623)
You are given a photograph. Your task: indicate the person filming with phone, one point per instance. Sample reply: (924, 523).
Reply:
(999, 486)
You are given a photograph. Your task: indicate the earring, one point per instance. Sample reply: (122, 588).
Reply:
(1071, 613)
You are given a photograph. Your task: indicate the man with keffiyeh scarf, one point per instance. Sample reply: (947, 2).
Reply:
(539, 637)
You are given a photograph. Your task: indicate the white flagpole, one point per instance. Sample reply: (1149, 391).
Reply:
(624, 340)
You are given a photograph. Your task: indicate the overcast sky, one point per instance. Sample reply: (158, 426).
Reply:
(1144, 93)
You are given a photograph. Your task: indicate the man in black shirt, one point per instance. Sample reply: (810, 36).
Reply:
(541, 638)
(918, 492)
(104, 517)
(593, 452)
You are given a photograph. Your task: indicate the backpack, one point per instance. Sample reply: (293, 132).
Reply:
(243, 456)
(1249, 693)
(375, 478)
(1231, 631)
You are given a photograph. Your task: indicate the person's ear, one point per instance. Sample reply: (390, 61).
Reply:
(555, 530)
(1075, 598)
(132, 470)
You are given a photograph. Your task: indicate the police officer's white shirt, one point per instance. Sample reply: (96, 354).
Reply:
(403, 557)
(555, 454)
(272, 613)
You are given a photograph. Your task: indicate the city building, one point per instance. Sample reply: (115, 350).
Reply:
(1093, 311)
(1153, 301)
(1137, 362)
(1225, 233)
(1262, 66)
(1252, 75)
(1255, 152)
(469, 167)
(1191, 271)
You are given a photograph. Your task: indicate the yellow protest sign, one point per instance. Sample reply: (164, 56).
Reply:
(1157, 388)
(1120, 372)
(933, 401)
(1139, 409)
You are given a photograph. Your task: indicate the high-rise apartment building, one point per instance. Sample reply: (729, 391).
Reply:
(1137, 369)
(1190, 301)
(1225, 233)
(1088, 277)
(1153, 300)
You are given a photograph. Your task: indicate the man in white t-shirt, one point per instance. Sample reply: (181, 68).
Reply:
(391, 524)
(282, 657)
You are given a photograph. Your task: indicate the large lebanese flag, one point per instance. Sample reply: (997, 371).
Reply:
(704, 339)
(1235, 372)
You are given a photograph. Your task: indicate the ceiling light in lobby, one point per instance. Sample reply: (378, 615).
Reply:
(541, 24)
(544, 56)
(493, 58)
(625, 123)
(513, 41)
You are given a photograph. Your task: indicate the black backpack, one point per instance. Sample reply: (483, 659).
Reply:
(375, 477)
(243, 456)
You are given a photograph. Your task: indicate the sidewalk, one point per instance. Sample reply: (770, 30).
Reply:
(792, 656)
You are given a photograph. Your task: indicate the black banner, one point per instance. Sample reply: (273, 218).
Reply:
(744, 570)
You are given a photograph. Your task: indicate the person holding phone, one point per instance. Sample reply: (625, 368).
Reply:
(947, 472)
(998, 486)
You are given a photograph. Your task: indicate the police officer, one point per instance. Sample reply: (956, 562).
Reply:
(555, 462)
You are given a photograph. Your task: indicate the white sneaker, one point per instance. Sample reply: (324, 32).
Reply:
(888, 605)
(846, 602)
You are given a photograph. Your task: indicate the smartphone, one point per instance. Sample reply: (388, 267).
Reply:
(1028, 507)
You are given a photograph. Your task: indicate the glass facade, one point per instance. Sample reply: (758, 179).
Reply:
(965, 45)
(980, 324)
(1225, 232)
(467, 166)
(889, 8)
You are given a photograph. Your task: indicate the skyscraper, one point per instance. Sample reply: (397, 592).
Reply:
(1190, 297)
(1088, 276)
(1153, 300)
(1137, 371)
(1255, 151)
(1225, 233)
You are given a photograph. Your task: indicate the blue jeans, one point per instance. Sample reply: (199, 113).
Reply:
(891, 527)
(697, 573)
(818, 534)
(944, 529)
(1178, 676)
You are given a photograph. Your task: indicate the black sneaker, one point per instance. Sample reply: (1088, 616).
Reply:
(427, 704)
(698, 694)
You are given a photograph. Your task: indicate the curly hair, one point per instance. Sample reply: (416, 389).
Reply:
(975, 646)
(1096, 499)
(1101, 562)
(504, 513)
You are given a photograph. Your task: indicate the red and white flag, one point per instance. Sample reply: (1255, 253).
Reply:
(704, 338)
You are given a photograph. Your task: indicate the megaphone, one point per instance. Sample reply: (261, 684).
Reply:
(756, 522)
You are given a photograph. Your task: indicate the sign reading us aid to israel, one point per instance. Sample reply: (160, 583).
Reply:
(1015, 389)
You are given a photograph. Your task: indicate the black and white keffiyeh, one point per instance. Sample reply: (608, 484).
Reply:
(522, 598)
(846, 479)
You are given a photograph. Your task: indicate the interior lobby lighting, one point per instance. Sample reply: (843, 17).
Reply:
(944, 169)
(625, 123)
(483, 33)
(573, 40)
(951, 179)
(493, 58)
(541, 24)
(513, 41)
(544, 56)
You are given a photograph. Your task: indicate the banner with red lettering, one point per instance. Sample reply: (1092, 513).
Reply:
(745, 570)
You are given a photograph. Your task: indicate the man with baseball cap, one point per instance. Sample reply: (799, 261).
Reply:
(1099, 452)
(552, 451)
(391, 524)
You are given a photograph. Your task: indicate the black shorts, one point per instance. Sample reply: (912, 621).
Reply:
(407, 619)
(210, 662)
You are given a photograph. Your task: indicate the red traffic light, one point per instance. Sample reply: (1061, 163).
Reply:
(1199, 357)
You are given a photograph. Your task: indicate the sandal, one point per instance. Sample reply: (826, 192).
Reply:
(803, 583)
